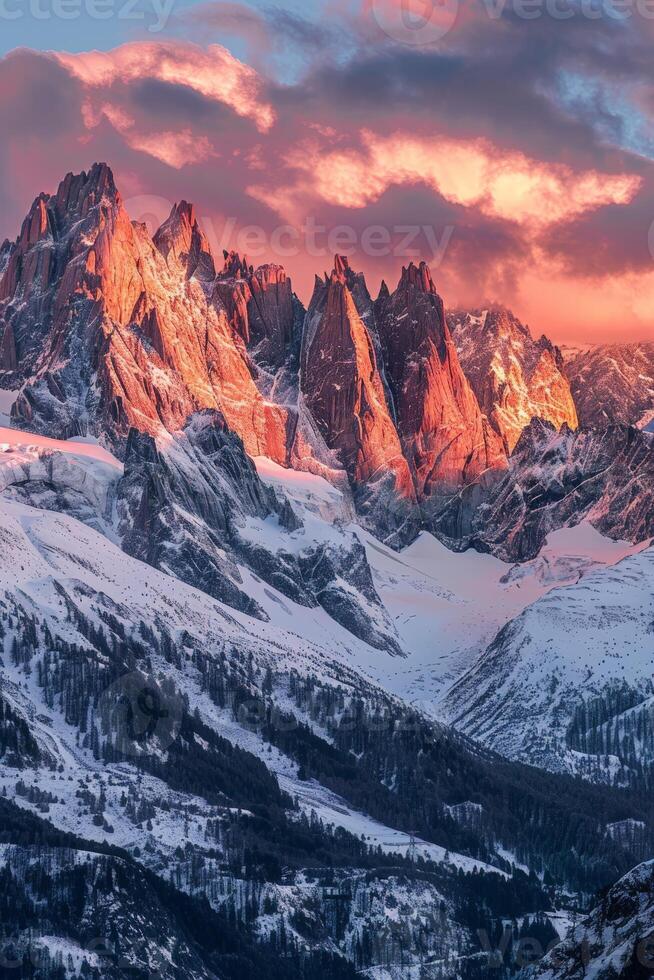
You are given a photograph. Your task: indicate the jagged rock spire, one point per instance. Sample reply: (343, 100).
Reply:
(107, 330)
(445, 437)
(344, 390)
(180, 239)
(418, 276)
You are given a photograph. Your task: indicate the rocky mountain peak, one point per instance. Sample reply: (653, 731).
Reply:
(341, 270)
(344, 390)
(418, 276)
(613, 382)
(180, 239)
(234, 266)
(445, 438)
(108, 329)
(356, 284)
(260, 306)
(78, 194)
(515, 377)
(273, 313)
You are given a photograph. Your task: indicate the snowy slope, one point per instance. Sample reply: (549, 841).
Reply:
(47, 553)
(7, 399)
(55, 568)
(21, 445)
(574, 659)
(71, 587)
(445, 606)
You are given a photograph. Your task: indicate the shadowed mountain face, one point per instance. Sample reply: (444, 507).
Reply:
(261, 307)
(557, 479)
(613, 942)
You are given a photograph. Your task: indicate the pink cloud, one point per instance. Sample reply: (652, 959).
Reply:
(559, 233)
(212, 72)
(473, 173)
(175, 148)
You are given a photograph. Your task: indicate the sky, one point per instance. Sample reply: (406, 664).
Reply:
(509, 143)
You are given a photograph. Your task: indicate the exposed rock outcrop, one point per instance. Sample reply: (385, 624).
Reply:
(182, 242)
(557, 480)
(613, 383)
(112, 331)
(514, 377)
(344, 390)
(184, 508)
(613, 942)
(446, 439)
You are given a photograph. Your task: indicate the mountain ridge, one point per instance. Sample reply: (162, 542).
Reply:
(227, 633)
(106, 329)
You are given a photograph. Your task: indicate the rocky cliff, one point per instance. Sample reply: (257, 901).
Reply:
(107, 329)
(515, 377)
(557, 479)
(447, 441)
(613, 383)
(344, 390)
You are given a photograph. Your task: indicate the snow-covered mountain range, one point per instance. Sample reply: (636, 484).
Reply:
(311, 620)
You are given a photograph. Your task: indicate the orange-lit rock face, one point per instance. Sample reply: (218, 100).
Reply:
(114, 330)
(181, 242)
(446, 439)
(514, 377)
(343, 389)
(25, 262)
